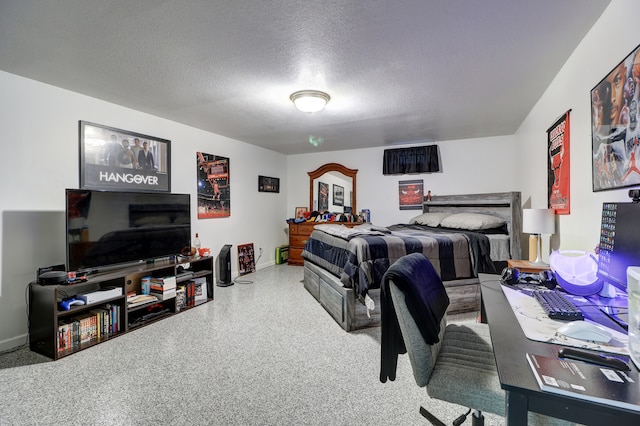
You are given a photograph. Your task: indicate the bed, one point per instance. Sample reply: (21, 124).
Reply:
(343, 267)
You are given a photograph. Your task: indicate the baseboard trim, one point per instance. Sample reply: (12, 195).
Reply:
(13, 342)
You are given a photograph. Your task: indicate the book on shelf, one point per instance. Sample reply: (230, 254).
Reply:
(65, 335)
(190, 292)
(140, 299)
(97, 320)
(587, 381)
(181, 298)
(164, 295)
(114, 314)
(75, 333)
(164, 283)
(102, 320)
(88, 329)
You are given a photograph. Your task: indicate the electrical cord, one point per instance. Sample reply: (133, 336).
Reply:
(26, 302)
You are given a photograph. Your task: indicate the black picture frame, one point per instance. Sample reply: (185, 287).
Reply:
(268, 184)
(323, 196)
(338, 195)
(106, 165)
(614, 126)
(246, 259)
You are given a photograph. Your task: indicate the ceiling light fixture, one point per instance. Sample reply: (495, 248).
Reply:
(309, 100)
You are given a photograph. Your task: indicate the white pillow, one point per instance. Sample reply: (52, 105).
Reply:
(471, 221)
(432, 219)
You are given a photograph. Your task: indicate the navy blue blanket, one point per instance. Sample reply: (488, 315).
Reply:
(426, 300)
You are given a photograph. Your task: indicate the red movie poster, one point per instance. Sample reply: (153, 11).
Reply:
(559, 172)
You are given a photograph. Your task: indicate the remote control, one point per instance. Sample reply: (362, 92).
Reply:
(594, 358)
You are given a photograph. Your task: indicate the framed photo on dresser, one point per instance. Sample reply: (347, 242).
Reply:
(300, 211)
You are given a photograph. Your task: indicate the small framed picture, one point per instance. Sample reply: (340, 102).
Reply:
(323, 196)
(120, 160)
(300, 211)
(268, 184)
(338, 195)
(246, 260)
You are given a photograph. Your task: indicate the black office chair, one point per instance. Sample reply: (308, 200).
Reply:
(460, 367)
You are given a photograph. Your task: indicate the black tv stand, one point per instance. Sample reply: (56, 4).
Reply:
(50, 324)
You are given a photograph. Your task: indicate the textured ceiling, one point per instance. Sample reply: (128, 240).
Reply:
(397, 71)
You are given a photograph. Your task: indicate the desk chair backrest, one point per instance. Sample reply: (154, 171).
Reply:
(421, 355)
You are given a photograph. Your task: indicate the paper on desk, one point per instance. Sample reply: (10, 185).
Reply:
(537, 325)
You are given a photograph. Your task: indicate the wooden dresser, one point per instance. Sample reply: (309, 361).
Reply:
(299, 234)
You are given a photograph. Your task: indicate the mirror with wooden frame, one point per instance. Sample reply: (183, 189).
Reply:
(335, 179)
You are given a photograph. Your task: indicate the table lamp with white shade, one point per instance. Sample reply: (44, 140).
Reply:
(537, 222)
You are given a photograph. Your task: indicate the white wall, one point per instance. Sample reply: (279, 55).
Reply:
(39, 159)
(467, 166)
(610, 40)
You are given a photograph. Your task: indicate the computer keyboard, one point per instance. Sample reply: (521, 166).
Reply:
(557, 306)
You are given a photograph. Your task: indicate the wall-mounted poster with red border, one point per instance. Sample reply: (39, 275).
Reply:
(214, 189)
(558, 171)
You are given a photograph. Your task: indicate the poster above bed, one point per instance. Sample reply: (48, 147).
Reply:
(410, 193)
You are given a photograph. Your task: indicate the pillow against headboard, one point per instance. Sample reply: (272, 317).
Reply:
(472, 221)
(432, 219)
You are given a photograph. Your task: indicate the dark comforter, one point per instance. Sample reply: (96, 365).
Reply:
(361, 261)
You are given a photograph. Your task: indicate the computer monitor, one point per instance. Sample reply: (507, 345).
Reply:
(619, 245)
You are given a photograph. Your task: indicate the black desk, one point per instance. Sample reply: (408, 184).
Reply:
(523, 394)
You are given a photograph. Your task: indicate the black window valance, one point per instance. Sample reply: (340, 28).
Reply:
(420, 159)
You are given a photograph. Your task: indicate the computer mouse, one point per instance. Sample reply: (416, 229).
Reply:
(584, 330)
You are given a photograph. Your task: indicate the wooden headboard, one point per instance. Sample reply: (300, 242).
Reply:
(506, 205)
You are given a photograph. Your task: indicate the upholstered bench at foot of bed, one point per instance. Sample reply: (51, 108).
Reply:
(341, 303)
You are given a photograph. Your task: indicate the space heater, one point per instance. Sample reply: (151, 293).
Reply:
(223, 267)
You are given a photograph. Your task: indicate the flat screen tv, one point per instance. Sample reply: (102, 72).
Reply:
(109, 229)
